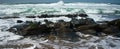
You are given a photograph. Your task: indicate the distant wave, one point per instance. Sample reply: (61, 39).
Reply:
(57, 8)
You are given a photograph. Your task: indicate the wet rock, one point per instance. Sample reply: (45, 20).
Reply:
(20, 46)
(48, 16)
(112, 45)
(90, 21)
(75, 22)
(86, 27)
(99, 27)
(36, 29)
(44, 16)
(93, 32)
(102, 22)
(19, 21)
(80, 22)
(71, 15)
(39, 16)
(115, 23)
(9, 17)
(30, 16)
(111, 30)
(17, 29)
(65, 30)
(92, 47)
(100, 47)
(28, 22)
(83, 15)
(103, 26)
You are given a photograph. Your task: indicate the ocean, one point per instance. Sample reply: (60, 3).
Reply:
(53, 1)
(99, 10)
(60, 7)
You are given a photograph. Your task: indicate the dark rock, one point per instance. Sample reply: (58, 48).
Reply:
(54, 16)
(99, 27)
(66, 33)
(66, 30)
(39, 16)
(48, 16)
(36, 30)
(44, 15)
(83, 15)
(92, 47)
(26, 29)
(28, 22)
(100, 47)
(74, 22)
(111, 30)
(9, 17)
(71, 15)
(115, 23)
(90, 21)
(103, 26)
(30, 16)
(86, 27)
(80, 22)
(19, 21)
(102, 22)
(49, 24)
(112, 45)
(17, 29)
(93, 32)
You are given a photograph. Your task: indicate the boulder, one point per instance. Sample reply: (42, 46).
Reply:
(32, 28)
(19, 21)
(64, 31)
(90, 21)
(79, 22)
(115, 23)
(17, 29)
(111, 30)
(36, 30)
(74, 22)
(83, 15)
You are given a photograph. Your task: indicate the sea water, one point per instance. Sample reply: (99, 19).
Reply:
(97, 11)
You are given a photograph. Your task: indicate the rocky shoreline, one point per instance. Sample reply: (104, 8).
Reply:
(66, 30)
(45, 16)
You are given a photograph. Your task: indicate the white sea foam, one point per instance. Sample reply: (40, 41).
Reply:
(92, 9)
(56, 8)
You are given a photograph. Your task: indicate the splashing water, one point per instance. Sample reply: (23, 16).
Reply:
(94, 10)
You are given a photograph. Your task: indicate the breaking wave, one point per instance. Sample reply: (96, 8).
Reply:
(57, 8)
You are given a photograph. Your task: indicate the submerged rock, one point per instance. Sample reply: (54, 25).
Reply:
(30, 16)
(71, 15)
(7, 17)
(19, 21)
